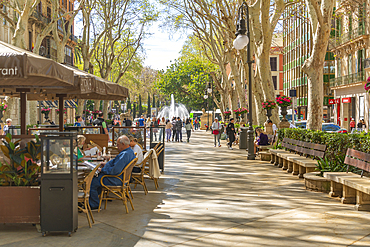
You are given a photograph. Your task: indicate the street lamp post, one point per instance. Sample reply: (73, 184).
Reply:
(242, 40)
(206, 97)
(210, 91)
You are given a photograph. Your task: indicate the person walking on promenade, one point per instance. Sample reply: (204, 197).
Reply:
(179, 130)
(352, 124)
(173, 128)
(216, 129)
(188, 128)
(230, 131)
(141, 121)
(101, 122)
(169, 127)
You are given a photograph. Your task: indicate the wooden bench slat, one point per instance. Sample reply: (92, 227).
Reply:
(357, 163)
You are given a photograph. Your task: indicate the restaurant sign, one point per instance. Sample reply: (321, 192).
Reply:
(346, 100)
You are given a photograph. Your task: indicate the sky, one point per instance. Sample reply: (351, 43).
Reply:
(160, 49)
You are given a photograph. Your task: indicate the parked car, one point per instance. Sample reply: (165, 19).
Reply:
(326, 127)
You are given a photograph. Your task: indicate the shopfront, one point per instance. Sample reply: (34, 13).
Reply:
(352, 102)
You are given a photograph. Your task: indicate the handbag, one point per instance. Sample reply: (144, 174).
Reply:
(215, 132)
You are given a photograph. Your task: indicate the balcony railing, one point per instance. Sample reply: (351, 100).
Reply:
(346, 37)
(36, 14)
(347, 79)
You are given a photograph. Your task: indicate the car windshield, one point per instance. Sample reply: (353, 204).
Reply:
(301, 125)
(330, 127)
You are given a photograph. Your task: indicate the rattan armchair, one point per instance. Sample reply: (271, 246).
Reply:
(139, 177)
(158, 149)
(120, 192)
(84, 194)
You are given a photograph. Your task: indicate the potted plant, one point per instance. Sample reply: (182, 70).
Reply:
(367, 85)
(110, 114)
(46, 112)
(64, 111)
(268, 105)
(284, 102)
(240, 111)
(3, 108)
(227, 114)
(19, 173)
(95, 113)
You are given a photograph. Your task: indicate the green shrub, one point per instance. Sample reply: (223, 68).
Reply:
(336, 143)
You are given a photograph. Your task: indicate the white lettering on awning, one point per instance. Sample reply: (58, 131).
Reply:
(9, 71)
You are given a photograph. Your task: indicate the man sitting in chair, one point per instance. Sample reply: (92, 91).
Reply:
(112, 167)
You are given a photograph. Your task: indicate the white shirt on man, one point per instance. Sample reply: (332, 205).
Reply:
(139, 153)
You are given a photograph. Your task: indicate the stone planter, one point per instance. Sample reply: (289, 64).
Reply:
(20, 204)
(284, 122)
(316, 183)
(268, 113)
(46, 116)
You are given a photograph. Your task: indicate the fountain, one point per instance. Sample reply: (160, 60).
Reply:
(174, 110)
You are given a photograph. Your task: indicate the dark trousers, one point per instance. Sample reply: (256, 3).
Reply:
(231, 139)
(178, 135)
(188, 133)
(173, 134)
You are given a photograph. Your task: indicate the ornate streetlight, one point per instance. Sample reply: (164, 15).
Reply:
(242, 40)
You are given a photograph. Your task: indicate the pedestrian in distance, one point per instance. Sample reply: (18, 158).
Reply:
(352, 124)
(230, 131)
(141, 121)
(169, 127)
(216, 131)
(188, 128)
(179, 129)
(79, 121)
(99, 121)
(173, 128)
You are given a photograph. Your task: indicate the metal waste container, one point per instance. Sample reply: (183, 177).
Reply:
(59, 192)
(243, 138)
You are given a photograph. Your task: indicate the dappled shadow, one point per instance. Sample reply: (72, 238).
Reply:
(216, 197)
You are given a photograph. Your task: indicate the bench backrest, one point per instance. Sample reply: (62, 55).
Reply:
(357, 159)
(305, 148)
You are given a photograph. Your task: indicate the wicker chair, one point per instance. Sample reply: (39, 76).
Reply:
(84, 194)
(120, 192)
(159, 149)
(139, 177)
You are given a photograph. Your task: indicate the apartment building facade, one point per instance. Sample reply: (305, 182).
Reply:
(297, 40)
(350, 46)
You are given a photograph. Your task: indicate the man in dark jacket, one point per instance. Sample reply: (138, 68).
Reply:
(179, 130)
(173, 128)
(230, 131)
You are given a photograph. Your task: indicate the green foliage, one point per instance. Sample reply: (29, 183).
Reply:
(336, 143)
(187, 79)
(22, 169)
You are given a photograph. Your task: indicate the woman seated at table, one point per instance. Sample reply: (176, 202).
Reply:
(79, 150)
(262, 139)
(139, 153)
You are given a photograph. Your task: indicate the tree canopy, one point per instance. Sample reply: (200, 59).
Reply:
(187, 80)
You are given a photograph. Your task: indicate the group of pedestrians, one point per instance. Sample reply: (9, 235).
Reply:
(175, 126)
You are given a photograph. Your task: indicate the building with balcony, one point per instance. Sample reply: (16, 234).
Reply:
(350, 46)
(276, 63)
(38, 20)
(297, 38)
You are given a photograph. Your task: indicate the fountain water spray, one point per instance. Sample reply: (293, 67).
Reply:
(174, 110)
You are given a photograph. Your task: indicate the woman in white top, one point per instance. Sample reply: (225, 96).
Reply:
(136, 149)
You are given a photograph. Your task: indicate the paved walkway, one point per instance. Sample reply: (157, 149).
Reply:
(214, 197)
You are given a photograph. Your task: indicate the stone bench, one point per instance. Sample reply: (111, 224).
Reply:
(296, 159)
(350, 187)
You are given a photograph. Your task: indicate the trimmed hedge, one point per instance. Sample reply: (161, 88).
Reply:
(336, 143)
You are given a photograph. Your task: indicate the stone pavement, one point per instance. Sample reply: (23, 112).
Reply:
(214, 197)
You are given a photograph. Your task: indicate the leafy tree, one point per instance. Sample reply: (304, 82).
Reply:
(187, 80)
(149, 109)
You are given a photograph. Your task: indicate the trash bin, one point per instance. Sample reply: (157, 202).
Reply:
(243, 138)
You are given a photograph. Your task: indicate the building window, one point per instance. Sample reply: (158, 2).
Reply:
(362, 107)
(273, 63)
(68, 59)
(274, 80)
